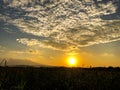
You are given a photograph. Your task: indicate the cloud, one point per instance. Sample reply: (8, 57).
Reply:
(108, 55)
(65, 24)
(44, 44)
(28, 42)
(2, 49)
(29, 52)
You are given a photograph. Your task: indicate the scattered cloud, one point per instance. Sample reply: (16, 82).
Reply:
(28, 42)
(43, 44)
(65, 24)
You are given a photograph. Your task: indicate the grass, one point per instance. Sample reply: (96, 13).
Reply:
(57, 78)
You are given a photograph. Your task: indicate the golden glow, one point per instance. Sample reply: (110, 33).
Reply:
(72, 61)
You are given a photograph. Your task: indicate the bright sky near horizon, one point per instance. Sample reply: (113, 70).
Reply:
(49, 32)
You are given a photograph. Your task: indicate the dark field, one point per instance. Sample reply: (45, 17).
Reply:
(54, 78)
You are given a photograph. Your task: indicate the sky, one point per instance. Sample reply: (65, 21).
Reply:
(48, 32)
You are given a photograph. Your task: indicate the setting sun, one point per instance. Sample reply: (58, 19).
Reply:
(72, 61)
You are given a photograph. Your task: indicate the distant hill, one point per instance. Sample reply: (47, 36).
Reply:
(20, 62)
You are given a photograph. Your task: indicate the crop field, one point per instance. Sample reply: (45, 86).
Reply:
(58, 78)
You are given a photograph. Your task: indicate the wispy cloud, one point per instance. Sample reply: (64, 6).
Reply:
(2, 48)
(29, 52)
(108, 55)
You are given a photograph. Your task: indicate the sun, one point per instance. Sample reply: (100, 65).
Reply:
(72, 61)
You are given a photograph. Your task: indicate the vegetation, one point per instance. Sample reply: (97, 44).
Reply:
(57, 78)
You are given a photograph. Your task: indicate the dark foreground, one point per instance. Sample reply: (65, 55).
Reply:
(29, 78)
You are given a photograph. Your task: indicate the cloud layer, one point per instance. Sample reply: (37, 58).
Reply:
(65, 24)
